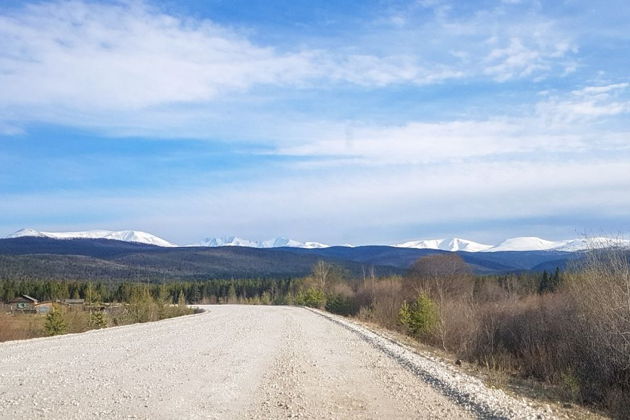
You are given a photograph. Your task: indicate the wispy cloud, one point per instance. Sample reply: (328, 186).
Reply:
(381, 199)
(519, 60)
(114, 65)
(557, 125)
(506, 41)
(586, 104)
(132, 56)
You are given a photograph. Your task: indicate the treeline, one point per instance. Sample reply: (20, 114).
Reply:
(124, 304)
(204, 292)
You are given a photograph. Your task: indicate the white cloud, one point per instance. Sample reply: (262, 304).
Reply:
(454, 141)
(82, 55)
(517, 60)
(585, 105)
(508, 44)
(115, 66)
(557, 125)
(333, 206)
(79, 55)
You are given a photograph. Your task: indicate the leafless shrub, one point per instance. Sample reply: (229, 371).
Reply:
(386, 295)
(600, 289)
(441, 276)
(448, 280)
(529, 335)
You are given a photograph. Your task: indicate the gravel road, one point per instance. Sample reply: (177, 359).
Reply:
(238, 362)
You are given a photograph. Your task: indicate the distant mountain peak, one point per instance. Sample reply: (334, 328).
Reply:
(446, 244)
(122, 235)
(526, 243)
(453, 244)
(26, 232)
(277, 242)
(522, 243)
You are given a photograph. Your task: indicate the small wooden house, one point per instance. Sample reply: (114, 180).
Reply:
(24, 303)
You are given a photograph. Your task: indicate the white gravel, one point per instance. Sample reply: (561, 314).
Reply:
(238, 362)
(467, 391)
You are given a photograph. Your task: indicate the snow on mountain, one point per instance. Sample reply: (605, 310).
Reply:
(123, 235)
(227, 241)
(271, 243)
(284, 242)
(449, 244)
(26, 232)
(526, 243)
(582, 244)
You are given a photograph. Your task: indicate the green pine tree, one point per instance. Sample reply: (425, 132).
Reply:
(545, 283)
(97, 320)
(420, 318)
(55, 324)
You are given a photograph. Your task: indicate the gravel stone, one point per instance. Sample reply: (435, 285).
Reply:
(239, 362)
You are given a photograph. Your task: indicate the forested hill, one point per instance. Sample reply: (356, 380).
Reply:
(110, 260)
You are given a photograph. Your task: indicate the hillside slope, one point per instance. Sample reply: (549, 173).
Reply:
(110, 260)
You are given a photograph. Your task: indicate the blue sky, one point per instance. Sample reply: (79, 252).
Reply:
(333, 121)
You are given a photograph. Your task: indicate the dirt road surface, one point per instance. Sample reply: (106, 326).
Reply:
(238, 362)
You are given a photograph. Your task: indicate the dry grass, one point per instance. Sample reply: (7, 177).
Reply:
(21, 326)
(77, 320)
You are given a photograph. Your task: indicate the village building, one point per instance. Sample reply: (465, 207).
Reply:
(73, 302)
(26, 303)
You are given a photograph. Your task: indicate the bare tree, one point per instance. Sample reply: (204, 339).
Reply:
(322, 274)
(601, 289)
(448, 280)
(440, 275)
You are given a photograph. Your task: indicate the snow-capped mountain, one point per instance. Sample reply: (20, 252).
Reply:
(449, 244)
(226, 241)
(525, 243)
(284, 242)
(122, 235)
(271, 243)
(573, 245)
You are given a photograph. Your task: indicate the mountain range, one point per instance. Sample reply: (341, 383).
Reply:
(524, 243)
(448, 244)
(271, 243)
(107, 260)
(122, 235)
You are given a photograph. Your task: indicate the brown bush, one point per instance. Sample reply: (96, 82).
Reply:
(457, 326)
(441, 276)
(386, 298)
(600, 290)
(531, 335)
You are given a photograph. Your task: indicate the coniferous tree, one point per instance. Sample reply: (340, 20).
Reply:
(55, 324)
(544, 283)
(97, 320)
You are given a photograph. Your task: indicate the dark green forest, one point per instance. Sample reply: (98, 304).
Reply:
(269, 291)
